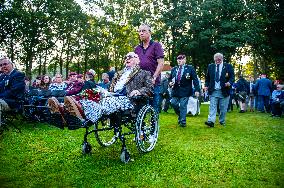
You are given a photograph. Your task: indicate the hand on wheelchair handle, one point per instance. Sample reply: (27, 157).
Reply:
(134, 93)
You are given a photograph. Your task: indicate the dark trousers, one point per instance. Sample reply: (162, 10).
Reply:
(263, 101)
(276, 109)
(166, 104)
(230, 106)
(180, 107)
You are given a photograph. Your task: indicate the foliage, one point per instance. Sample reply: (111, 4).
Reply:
(241, 154)
(59, 36)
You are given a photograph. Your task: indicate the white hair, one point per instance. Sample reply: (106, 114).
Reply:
(218, 55)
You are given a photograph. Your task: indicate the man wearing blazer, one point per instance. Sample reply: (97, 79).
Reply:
(180, 80)
(264, 89)
(12, 85)
(218, 81)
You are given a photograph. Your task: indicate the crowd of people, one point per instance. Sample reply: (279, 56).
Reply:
(141, 75)
(261, 95)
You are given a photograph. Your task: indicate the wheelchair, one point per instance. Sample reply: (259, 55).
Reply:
(142, 121)
(36, 108)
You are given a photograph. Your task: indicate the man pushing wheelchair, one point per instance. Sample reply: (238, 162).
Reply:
(106, 110)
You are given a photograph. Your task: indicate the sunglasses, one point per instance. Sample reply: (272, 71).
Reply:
(181, 57)
(128, 57)
(3, 64)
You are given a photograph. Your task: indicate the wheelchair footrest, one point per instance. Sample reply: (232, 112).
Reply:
(74, 122)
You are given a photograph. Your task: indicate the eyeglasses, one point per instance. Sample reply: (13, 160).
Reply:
(128, 57)
(3, 64)
(180, 57)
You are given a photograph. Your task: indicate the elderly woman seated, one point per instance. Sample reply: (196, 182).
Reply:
(129, 82)
(57, 84)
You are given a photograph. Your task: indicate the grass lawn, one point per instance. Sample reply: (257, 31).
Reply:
(248, 152)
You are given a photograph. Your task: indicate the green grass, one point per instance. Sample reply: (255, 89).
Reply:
(248, 152)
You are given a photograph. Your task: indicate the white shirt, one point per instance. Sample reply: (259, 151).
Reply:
(217, 84)
(122, 81)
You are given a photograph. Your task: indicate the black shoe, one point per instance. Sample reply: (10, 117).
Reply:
(241, 111)
(223, 124)
(209, 123)
(182, 124)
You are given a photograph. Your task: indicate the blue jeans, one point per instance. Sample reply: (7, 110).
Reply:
(180, 107)
(156, 98)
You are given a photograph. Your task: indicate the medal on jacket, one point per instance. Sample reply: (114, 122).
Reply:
(187, 76)
(6, 82)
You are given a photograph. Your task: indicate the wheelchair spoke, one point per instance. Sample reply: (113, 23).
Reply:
(105, 132)
(146, 129)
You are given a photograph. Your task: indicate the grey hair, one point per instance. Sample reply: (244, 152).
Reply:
(7, 59)
(147, 25)
(105, 75)
(218, 55)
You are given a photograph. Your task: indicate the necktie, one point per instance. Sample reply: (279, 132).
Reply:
(217, 76)
(179, 74)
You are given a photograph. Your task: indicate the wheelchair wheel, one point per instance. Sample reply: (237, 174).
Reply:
(105, 132)
(147, 129)
(86, 148)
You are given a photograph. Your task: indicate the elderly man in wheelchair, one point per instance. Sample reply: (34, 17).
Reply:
(126, 103)
(12, 87)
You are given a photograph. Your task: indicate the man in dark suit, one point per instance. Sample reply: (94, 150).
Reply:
(219, 79)
(12, 85)
(181, 82)
(264, 89)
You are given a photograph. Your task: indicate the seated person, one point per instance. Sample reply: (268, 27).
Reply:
(12, 86)
(45, 82)
(131, 81)
(277, 98)
(89, 81)
(104, 83)
(36, 83)
(80, 78)
(57, 83)
(73, 85)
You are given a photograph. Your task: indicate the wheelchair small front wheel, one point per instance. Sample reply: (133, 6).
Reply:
(125, 156)
(86, 147)
(147, 129)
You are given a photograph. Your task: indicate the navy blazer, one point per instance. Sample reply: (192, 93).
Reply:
(12, 88)
(184, 88)
(263, 87)
(227, 75)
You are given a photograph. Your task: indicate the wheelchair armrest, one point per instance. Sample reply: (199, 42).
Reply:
(139, 97)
